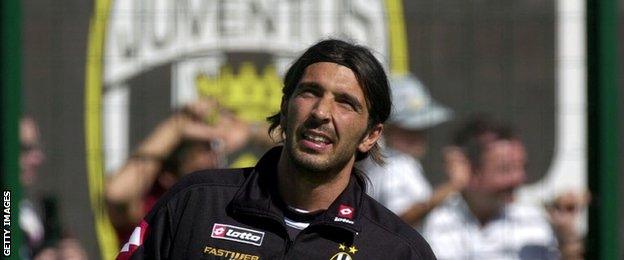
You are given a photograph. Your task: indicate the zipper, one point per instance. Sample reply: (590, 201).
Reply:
(288, 243)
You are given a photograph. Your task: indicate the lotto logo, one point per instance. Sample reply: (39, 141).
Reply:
(238, 234)
(345, 211)
(218, 230)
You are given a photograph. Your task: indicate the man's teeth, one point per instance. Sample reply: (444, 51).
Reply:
(317, 139)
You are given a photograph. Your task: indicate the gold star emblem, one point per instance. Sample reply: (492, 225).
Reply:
(342, 247)
(352, 250)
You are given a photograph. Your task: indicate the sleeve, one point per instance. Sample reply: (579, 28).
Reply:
(151, 239)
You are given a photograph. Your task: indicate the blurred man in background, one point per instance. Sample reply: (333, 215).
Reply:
(484, 221)
(400, 184)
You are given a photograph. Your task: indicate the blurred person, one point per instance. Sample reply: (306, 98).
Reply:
(400, 184)
(303, 200)
(40, 230)
(199, 136)
(564, 212)
(31, 158)
(484, 221)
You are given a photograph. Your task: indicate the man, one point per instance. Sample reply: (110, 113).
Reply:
(484, 222)
(304, 200)
(400, 184)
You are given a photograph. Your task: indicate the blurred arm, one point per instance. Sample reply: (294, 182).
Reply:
(126, 188)
(457, 167)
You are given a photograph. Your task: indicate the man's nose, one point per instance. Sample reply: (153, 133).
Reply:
(322, 109)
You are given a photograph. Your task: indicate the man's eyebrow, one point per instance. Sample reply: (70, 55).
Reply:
(308, 85)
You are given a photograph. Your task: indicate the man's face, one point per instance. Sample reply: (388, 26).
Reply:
(502, 170)
(326, 119)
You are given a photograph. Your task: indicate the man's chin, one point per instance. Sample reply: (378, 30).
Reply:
(319, 165)
(310, 162)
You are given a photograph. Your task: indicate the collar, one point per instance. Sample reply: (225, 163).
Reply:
(258, 197)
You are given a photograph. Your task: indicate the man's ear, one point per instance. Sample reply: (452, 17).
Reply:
(370, 138)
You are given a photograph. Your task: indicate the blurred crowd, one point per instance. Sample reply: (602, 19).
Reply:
(472, 214)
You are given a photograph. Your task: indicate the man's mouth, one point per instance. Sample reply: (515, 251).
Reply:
(315, 140)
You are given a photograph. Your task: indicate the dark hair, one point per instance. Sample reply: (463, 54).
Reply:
(175, 161)
(368, 71)
(477, 133)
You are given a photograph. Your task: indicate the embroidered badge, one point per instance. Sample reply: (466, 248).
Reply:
(345, 211)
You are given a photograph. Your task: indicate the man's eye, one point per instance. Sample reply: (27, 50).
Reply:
(347, 104)
(306, 93)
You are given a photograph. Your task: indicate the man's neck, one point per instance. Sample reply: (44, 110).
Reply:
(301, 190)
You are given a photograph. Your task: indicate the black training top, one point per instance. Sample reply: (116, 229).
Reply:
(237, 214)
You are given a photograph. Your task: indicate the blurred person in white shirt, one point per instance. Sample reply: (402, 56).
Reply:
(484, 221)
